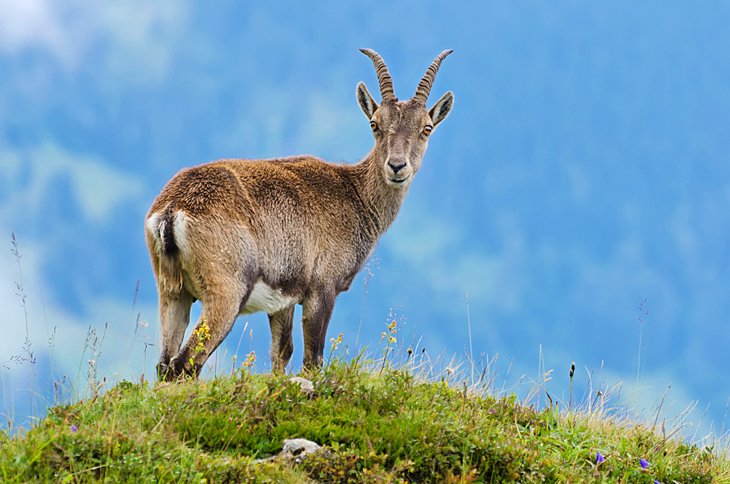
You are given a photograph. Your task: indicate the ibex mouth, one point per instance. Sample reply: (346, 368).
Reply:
(399, 181)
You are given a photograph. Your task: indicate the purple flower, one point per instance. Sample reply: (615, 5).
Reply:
(644, 463)
(74, 428)
(599, 458)
(657, 482)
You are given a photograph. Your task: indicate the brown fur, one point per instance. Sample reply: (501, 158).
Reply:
(299, 225)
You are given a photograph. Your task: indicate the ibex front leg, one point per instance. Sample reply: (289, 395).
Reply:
(316, 317)
(281, 341)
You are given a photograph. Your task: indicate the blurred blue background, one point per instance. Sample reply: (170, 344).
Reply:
(575, 200)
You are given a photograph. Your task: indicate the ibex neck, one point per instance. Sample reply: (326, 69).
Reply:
(381, 200)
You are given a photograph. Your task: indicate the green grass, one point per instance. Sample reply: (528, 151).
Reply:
(378, 426)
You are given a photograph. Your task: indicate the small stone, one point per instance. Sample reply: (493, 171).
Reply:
(298, 449)
(294, 450)
(300, 446)
(306, 385)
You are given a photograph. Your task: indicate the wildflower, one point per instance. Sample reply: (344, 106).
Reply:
(250, 360)
(644, 463)
(599, 458)
(336, 341)
(74, 428)
(202, 333)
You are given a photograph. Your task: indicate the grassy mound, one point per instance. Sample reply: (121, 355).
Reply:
(384, 426)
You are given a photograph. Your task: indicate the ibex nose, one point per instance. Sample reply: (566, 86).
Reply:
(396, 165)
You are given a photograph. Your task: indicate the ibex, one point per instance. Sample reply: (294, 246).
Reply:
(244, 236)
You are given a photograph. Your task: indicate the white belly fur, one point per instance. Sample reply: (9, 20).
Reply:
(266, 299)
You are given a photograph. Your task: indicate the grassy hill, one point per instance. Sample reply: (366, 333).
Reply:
(375, 425)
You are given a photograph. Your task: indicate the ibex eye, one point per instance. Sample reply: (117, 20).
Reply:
(374, 125)
(427, 130)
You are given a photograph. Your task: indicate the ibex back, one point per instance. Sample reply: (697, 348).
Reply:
(245, 236)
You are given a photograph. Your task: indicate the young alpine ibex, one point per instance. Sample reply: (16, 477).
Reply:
(244, 236)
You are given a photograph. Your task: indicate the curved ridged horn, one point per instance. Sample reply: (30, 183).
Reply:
(424, 87)
(384, 79)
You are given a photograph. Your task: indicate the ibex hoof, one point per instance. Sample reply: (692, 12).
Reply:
(163, 372)
(179, 369)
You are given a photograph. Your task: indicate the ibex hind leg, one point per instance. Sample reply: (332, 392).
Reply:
(220, 310)
(281, 324)
(174, 319)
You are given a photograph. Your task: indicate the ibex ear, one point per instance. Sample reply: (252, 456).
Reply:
(441, 109)
(365, 100)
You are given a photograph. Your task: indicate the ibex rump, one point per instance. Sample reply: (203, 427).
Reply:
(245, 236)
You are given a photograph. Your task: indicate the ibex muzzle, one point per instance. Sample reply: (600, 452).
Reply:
(245, 236)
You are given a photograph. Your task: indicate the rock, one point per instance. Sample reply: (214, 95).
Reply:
(294, 450)
(298, 449)
(306, 385)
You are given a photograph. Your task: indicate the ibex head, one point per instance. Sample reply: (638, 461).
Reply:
(402, 128)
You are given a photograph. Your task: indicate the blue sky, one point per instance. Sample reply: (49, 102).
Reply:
(584, 169)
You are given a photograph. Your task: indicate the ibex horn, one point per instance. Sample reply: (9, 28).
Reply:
(386, 83)
(424, 87)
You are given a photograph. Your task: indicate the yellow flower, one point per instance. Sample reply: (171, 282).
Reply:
(336, 341)
(202, 333)
(250, 360)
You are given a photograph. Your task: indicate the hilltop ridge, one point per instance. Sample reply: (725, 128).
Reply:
(375, 425)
